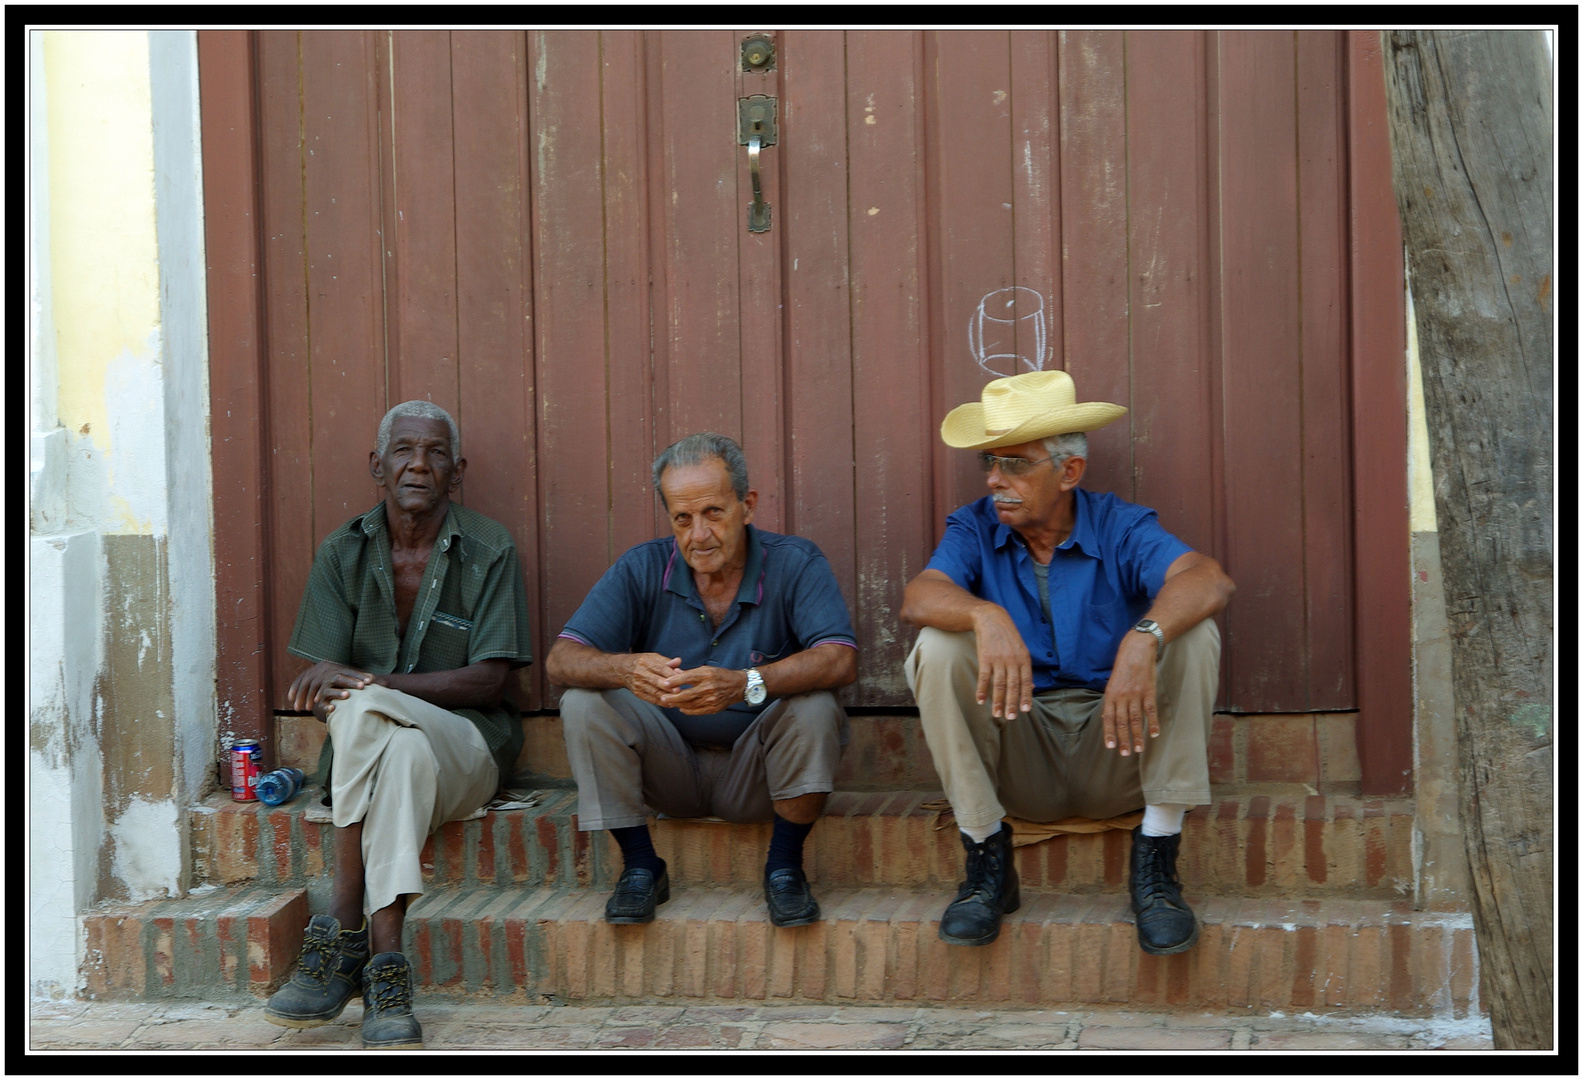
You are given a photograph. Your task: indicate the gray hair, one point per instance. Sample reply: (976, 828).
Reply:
(1061, 447)
(426, 410)
(699, 448)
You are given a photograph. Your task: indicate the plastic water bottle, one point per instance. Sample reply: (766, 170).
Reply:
(280, 786)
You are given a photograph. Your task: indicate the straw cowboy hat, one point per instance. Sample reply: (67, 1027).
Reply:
(1022, 408)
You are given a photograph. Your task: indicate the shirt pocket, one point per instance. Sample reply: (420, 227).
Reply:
(446, 641)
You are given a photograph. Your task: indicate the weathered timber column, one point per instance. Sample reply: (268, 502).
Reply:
(1470, 116)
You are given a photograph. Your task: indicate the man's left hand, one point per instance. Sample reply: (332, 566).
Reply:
(708, 690)
(1129, 696)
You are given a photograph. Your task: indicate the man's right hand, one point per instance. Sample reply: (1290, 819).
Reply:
(323, 684)
(1005, 670)
(647, 673)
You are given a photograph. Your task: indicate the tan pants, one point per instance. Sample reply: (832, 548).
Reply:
(1053, 763)
(403, 767)
(626, 756)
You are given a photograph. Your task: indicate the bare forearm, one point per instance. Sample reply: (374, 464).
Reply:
(1197, 592)
(824, 667)
(477, 686)
(932, 599)
(573, 664)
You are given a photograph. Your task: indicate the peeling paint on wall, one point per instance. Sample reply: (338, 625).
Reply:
(147, 845)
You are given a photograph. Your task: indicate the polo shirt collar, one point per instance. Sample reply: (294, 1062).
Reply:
(679, 576)
(1082, 537)
(374, 522)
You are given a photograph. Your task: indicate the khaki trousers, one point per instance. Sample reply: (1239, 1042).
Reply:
(403, 767)
(1052, 763)
(627, 756)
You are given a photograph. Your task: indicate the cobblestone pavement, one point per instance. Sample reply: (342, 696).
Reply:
(86, 1026)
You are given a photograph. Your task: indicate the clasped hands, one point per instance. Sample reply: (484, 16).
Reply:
(1005, 680)
(698, 691)
(325, 683)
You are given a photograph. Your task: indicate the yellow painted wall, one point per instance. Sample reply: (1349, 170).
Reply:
(105, 270)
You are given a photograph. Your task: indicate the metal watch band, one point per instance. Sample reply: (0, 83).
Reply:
(1149, 626)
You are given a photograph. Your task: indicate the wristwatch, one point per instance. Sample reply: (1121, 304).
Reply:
(756, 692)
(1149, 626)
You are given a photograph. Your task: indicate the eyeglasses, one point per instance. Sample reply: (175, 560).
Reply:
(1011, 466)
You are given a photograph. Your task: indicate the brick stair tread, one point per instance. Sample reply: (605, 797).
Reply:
(1275, 845)
(874, 945)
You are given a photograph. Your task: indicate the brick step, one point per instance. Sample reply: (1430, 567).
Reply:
(888, 753)
(221, 944)
(1277, 846)
(874, 946)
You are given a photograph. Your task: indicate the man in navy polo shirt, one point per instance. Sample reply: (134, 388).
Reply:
(701, 668)
(1068, 660)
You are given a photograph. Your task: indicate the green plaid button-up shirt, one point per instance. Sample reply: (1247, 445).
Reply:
(471, 606)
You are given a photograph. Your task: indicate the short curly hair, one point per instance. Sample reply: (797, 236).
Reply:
(427, 410)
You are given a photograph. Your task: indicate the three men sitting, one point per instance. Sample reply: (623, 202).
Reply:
(1066, 666)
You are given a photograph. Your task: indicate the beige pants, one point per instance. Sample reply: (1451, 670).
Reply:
(1053, 763)
(627, 756)
(403, 767)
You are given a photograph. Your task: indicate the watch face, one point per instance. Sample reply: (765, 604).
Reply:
(755, 695)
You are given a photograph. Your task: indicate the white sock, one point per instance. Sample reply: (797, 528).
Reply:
(1164, 819)
(978, 836)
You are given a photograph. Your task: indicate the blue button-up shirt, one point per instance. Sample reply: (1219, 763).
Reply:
(646, 602)
(1102, 580)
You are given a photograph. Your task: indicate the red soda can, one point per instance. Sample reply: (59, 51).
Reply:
(246, 756)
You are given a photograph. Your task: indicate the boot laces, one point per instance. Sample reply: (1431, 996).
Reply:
(983, 870)
(320, 948)
(389, 987)
(1156, 879)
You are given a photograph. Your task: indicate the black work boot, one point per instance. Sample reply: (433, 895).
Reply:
(388, 1022)
(990, 892)
(329, 971)
(1165, 923)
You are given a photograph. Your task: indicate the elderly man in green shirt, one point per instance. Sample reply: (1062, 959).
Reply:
(414, 616)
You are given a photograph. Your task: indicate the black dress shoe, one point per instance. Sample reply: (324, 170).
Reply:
(1166, 924)
(790, 900)
(991, 892)
(638, 893)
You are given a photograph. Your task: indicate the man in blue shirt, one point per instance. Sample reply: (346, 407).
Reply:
(1068, 660)
(701, 668)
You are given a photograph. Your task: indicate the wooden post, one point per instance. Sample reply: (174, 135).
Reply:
(1471, 134)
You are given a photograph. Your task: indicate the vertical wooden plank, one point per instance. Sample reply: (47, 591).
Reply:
(237, 371)
(1093, 99)
(569, 307)
(290, 535)
(895, 427)
(494, 300)
(1327, 472)
(346, 339)
(1379, 444)
(1036, 190)
(698, 220)
(421, 275)
(628, 354)
(1167, 241)
(818, 304)
(968, 93)
(761, 314)
(1262, 379)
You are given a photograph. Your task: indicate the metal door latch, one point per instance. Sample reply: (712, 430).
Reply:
(755, 130)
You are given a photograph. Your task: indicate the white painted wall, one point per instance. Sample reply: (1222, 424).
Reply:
(118, 373)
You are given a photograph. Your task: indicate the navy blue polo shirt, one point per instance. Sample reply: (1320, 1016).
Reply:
(788, 602)
(1102, 580)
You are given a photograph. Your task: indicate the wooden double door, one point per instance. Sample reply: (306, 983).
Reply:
(553, 235)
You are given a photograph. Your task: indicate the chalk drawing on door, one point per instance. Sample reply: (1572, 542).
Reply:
(1006, 334)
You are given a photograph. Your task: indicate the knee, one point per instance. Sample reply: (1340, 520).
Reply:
(578, 707)
(1202, 640)
(941, 650)
(408, 754)
(810, 717)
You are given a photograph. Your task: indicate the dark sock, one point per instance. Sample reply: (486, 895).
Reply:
(637, 849)
(786, 845)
